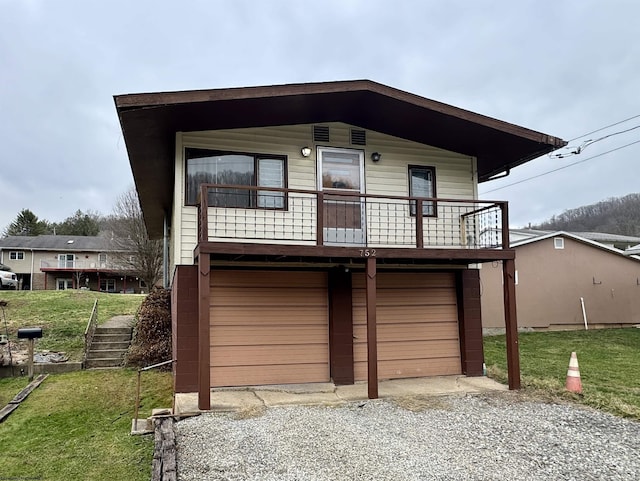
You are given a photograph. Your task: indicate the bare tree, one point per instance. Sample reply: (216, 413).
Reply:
(135, 252)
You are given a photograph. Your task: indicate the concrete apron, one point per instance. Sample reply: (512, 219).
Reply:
(327, 394)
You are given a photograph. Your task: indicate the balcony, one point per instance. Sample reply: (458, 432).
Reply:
(294, 217)
(80, 265)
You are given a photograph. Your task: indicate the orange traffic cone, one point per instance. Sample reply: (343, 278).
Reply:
(573, 375)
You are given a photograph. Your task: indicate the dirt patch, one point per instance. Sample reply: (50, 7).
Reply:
(20, 355)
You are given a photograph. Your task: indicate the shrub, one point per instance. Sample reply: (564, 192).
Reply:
(151, 342)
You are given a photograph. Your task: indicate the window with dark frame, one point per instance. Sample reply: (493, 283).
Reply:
(205, 166)
(422, 183)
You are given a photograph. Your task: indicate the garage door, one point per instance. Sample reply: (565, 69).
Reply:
(268, 327)
(417, 324)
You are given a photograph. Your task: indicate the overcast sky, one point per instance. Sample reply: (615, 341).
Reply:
(564, 68)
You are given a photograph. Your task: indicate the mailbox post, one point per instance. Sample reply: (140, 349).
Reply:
(31, 334)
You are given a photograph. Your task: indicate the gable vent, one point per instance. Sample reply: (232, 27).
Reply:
(358, 137)
(320, 133)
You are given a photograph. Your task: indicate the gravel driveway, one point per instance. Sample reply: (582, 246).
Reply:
(483, 437)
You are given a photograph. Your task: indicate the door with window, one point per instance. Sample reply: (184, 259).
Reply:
(341, 178)
(64, 284)
(66, 261)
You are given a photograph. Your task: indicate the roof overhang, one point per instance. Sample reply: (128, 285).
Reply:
(149, 123)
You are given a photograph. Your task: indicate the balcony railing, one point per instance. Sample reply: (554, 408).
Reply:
(232, 213)
(81, 265)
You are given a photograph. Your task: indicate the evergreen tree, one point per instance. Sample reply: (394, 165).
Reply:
(27, 223)
(80, 223)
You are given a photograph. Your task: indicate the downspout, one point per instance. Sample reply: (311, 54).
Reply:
(502, 175)
(165, 253)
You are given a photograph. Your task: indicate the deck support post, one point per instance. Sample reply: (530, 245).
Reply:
(372, 337)
(204, 293)
(511, 323)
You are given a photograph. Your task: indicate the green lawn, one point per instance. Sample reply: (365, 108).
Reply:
(63, 315)
(76, 426)
(609, 362)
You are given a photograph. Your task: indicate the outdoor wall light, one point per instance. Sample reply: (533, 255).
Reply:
(376, 156)
(305, 151)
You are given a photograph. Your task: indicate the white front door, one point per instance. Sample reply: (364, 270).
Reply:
(340, 172)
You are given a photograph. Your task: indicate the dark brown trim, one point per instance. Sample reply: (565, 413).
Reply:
(320, 219)
(161, 99)
(511, 323)
(341, 326)
(372, 336)
(419, 225)
(184, 328)
(283, 251)
(204, 294)
(506, 242)
(470, 322)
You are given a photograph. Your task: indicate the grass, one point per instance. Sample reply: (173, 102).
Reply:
(609, 361)
(63, 315)
(76, 426)
(9, 387)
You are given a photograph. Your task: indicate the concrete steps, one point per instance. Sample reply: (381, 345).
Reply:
(109, 346)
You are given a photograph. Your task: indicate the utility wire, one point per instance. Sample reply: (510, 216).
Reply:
(603, 128)
(588, 143)
(560, 168)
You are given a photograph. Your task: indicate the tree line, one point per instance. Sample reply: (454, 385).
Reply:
(125, 227)
(616, 215)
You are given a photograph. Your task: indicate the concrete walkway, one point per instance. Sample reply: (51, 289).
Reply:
(127, 320)
(258, 397)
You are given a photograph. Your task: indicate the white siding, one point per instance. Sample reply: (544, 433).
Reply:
(455, 176)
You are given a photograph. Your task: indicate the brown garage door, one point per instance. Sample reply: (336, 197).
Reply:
(417, 324)
(268, 327)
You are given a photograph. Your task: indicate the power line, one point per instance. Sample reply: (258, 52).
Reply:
(588, 143)
(560, 168)
(603, 128)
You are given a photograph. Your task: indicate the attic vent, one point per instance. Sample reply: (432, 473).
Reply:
(358, 137)
(320, 133)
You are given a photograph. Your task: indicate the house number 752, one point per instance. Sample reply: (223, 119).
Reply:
(367, 252)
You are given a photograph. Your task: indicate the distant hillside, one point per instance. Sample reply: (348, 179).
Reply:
(618, 215)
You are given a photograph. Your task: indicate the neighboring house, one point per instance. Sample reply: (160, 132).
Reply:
(294, 247)
(57, 262)
(558, 272)
(618, 241)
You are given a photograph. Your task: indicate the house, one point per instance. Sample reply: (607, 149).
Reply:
(323, 231)
(618, 241)
(58, 262)
(563, 281)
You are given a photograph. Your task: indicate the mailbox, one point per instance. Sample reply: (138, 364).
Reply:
(30, 333)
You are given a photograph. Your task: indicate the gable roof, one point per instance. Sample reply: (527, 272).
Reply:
(577, 238)
(149, 122)
(594, 236)
(72, 243)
